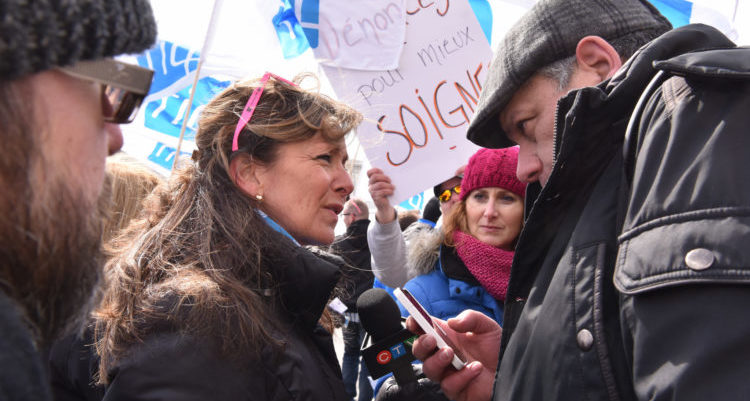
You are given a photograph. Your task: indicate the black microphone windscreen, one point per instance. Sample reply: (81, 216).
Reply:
(378, 313)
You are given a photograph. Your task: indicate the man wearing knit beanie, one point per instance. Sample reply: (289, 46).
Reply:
(630, 276)
(61, 98)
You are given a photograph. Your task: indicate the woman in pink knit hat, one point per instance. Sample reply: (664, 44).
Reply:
(467, 265)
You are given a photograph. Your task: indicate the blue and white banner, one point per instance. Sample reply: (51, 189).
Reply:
(246, 38)
(416, 202)
(227, 40)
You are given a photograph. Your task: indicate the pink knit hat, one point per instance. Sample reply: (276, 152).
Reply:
(492, 168)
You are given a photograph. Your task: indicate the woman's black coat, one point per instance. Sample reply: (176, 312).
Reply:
(173, 366)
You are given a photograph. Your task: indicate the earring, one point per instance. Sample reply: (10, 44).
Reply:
(259, 198)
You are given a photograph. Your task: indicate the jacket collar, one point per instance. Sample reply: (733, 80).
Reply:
(305, 285)
(453, 267)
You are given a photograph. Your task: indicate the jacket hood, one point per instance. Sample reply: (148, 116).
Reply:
(423, 249)
(639, 69)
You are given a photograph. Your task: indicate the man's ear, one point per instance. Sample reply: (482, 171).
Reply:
(595, 55)
(247, 175)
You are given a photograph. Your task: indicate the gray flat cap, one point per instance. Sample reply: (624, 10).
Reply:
(547, 33)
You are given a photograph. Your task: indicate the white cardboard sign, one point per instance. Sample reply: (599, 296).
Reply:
(360, 34)
(416, 115)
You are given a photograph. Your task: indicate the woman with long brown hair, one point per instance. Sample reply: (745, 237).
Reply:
(211, 295)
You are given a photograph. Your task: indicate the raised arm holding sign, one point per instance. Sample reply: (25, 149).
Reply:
(387, 244)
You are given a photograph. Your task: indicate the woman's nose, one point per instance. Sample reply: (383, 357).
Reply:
(491, 209)
(343, 182)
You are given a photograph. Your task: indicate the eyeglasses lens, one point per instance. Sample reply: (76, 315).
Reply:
(448, 193)
(119, 105)
(123, 86)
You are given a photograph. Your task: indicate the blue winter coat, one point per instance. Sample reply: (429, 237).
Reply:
(449, 289)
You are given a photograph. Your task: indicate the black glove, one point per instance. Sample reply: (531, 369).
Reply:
(423, 389)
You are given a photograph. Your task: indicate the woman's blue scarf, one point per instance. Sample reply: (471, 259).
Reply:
(271, 223)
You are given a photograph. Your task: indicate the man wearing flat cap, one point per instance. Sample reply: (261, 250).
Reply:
(62, 97)
(631, 277)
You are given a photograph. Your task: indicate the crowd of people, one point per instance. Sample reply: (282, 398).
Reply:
(592, 248)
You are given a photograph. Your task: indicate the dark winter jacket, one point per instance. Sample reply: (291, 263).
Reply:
(73, 364)
(22, 373)
(357, 277)
(630, 279)
(173, 366)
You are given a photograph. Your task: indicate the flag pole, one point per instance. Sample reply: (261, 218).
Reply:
(206, 45)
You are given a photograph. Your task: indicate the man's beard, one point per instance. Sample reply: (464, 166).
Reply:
(50, 256)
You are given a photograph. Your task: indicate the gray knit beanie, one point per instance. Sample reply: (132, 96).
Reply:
(36, 35)
(547, 33)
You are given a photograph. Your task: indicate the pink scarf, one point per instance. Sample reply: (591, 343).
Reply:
(489, 265)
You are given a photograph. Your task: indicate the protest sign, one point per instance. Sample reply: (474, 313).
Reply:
(364, 34)
(416, 115)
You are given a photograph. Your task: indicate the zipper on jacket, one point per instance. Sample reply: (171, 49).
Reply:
(556, 134)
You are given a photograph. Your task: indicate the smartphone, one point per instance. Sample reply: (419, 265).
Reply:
(425, 321)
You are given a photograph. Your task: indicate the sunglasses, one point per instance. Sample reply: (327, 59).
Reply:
(448, 193)
(252, 102)
(123, 86)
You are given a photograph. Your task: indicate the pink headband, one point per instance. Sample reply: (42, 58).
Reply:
(247, 112)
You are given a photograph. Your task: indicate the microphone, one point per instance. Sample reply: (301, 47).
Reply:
(389, 350)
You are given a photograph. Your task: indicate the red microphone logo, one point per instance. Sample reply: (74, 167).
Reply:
(383, 357)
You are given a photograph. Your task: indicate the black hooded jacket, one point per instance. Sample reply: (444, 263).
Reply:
(630, 279)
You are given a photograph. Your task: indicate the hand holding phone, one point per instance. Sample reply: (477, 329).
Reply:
(426, 323)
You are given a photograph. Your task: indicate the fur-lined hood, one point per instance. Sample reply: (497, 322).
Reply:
(422, 249)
